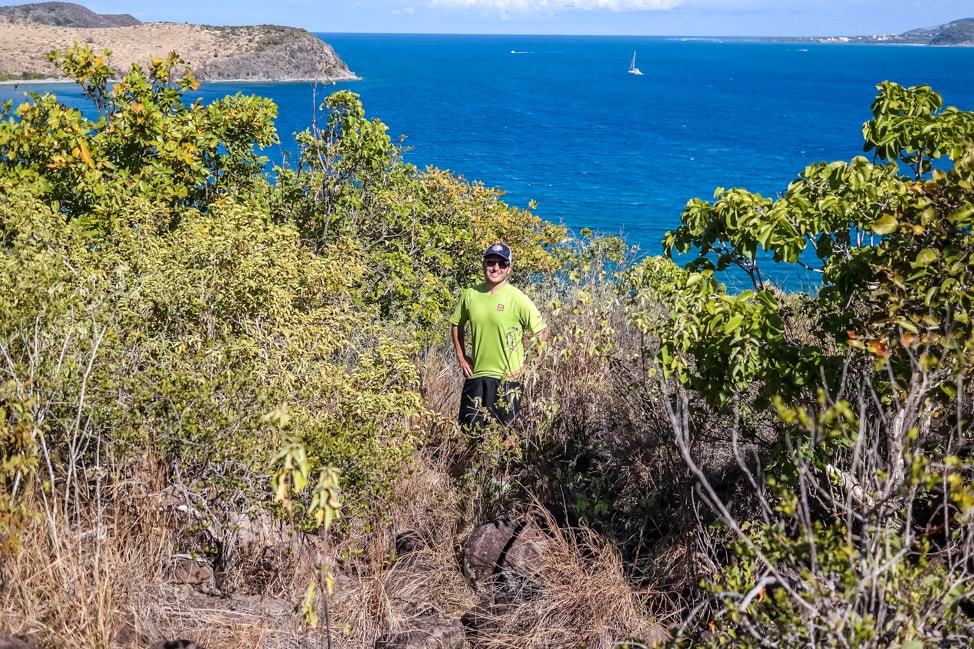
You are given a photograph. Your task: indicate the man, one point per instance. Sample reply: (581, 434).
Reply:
(499, 318)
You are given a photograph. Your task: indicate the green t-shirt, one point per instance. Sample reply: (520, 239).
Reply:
(497, 324)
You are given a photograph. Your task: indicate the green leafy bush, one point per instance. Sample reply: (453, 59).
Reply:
(835, 545)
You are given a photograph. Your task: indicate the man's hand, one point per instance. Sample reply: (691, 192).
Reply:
(464, 361)
(466, 365)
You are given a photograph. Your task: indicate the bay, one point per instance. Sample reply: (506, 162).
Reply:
(558, 121)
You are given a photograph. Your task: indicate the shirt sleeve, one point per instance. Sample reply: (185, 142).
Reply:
(531, 318)
(459, 317)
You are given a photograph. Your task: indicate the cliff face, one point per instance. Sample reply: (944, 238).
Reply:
(268, 52)
(254, 53)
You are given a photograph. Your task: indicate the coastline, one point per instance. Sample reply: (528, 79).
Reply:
(39, 82)
(208, 82)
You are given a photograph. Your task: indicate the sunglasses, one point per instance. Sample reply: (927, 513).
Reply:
(496, 262)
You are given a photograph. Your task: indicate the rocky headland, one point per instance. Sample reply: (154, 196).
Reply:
(252, 53)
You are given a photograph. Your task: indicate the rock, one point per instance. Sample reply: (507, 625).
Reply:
(409, 542)
(281, 54)
(176, 644)
(190, 571)
(502, 555)
(194, 572)
(10, 642)
(426, 633)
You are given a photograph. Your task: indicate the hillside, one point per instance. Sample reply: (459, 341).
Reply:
(253, 53)
(959, 33)
(66, 14)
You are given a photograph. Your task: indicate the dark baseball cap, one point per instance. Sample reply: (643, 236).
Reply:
(499, 250)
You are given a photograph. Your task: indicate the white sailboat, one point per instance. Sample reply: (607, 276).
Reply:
(632, 66)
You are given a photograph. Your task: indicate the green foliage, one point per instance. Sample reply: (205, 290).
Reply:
(842, 552)
(921, 273)
(715, 343)
(19, 460)
(201, 331)
(419, 235)
(911, 125)
(155, 311)
(841, 596)
(147, 143)
(869, 416)
(293, 475)
(894, 252)
(23, 76)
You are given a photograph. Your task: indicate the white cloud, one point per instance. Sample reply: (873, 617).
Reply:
(534, 6)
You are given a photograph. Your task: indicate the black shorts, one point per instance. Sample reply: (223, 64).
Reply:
(486, 397)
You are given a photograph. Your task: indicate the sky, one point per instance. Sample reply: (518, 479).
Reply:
(575, 17)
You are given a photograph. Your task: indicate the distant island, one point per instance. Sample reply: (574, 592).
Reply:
(959, 33)
(251, 53)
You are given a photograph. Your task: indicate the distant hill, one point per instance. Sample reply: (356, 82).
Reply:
(957, 33)
(250, 53)
(66, 14)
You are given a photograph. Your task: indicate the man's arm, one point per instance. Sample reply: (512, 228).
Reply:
(544, 335)
(540, 348)
(465, 362)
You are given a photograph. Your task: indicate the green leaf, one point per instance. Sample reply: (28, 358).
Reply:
(963, 217)
(887, 224)
(733, 324)
(926, 257)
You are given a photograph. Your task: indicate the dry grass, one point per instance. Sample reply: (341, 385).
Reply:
(577, 595)
(72, 581)
(107, 582)
(69, 586)
(405, 567)
(24, 46)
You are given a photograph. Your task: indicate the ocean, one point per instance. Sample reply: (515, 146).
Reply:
(558, 121)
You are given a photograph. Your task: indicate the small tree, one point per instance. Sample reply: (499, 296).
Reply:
(147, 141)
(419, 234)
(872, 408)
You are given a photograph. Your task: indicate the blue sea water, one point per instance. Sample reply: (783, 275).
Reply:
(557, 119)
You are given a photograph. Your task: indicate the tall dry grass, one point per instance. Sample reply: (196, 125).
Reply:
(575, 594)
(80, 583)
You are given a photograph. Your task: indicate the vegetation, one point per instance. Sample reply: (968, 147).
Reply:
(65, 14)
(194, 345)
(24, 76)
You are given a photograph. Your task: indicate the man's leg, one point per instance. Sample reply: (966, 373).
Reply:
(508, 403)
(476, 400)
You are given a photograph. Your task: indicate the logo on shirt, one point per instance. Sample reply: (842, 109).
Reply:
(500, 307)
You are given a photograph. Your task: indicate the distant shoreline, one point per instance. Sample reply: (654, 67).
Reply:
(212, 82)
(55, 81)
